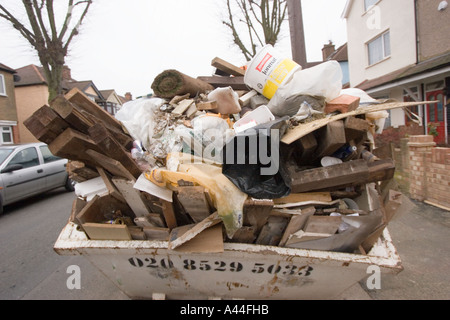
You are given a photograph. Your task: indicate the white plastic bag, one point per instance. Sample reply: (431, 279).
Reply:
(138, 118)
(323, 80)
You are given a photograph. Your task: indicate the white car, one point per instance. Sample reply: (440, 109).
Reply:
(30, 169)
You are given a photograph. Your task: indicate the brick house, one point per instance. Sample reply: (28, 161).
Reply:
(32, 93)
(8, 114)
(400, 50)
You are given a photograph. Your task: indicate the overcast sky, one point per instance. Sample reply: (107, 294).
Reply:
(124, 45)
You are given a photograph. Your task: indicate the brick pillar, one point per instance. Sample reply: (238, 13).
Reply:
(420, 149)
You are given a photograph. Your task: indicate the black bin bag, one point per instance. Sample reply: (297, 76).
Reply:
(253, 162)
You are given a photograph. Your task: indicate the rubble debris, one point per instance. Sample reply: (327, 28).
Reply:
(159, 170)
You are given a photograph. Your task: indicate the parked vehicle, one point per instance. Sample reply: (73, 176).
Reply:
(30, 169)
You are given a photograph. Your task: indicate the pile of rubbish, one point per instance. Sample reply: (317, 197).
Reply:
(272, 155)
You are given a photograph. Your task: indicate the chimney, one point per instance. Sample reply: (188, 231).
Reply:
(328, 50)
(66, 73)
(128, 96)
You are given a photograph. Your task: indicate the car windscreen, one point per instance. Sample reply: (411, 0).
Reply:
(4, 153)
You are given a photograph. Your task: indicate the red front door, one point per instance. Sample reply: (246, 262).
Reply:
(436, 115)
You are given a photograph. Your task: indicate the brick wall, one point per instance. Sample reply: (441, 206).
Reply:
(423, 170)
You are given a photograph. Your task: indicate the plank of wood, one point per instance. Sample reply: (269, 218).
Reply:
(209, 240)
(296, 222)
(329, 139)
(194, 202)
(381, 170)
(114, 232)
(244, 234)
(307, 196)
(183, 234)
(110, 147)
(71, 114)
(156, 233)
(45, 124)
(182, 106)
(207, 106)
(256, 212)
(342, 174)
(305, 148)
(169, 214)
(355, 128)
(227, 67)
(77, 97)
(302, 236)
(110, 165)
(272, 231)
(132, 196)
(246, 98)
(112, 189)
(72, 145)
(236, 83)
(323, 224)
(302, 130)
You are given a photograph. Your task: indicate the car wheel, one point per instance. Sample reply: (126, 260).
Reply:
(70, 185)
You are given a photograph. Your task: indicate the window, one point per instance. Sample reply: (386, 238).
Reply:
(2, 86)
(369, 3)
(27, 158)
(379, 48)
(47, 155)
(7, 135)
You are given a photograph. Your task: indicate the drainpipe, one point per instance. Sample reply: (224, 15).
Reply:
(416, 22)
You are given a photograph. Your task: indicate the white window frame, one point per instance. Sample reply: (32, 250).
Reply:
(10, 131)
(385, 54)
(367, 5)
(2, 85)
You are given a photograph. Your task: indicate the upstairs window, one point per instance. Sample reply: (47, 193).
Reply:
(2, 86)
(369, 3)
(379, 48)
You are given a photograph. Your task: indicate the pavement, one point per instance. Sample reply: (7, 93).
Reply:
(421, 237)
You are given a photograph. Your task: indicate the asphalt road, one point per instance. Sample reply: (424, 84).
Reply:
(31, 270)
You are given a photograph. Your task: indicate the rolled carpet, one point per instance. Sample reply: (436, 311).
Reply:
(171, 83)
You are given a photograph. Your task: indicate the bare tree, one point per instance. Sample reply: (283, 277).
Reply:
(261, 20)
(51, 43)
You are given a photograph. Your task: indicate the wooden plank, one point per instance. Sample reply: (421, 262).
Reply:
(156, 233)
(272, 231)
(244, 234)
(110, 147)
(338, 175)
(329, 139)
(194, 202)
(256, 212)
(45, 124)
(132, 196)
(296, 222)
(71, 114)
(77, 97)
(323, 224)
(72, 145)
(169, 214)
(206, 106)
(101, 209)
(355, 128)
(302, 130)
(381, 170)
(236, 83)
(209, 240)
(305, 148)
(307, 196)
(182, 106)
(246, 98)
(107, 180)
(227, 67)
(110, 165)
(114, 232)
(183, 234)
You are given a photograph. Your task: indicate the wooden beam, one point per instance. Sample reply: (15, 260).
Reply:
(112, 148)
(236, 83)
(227, 67)
(342, 174)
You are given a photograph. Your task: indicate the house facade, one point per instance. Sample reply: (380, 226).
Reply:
(401, 50)
(31, 92)
(8, 115)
